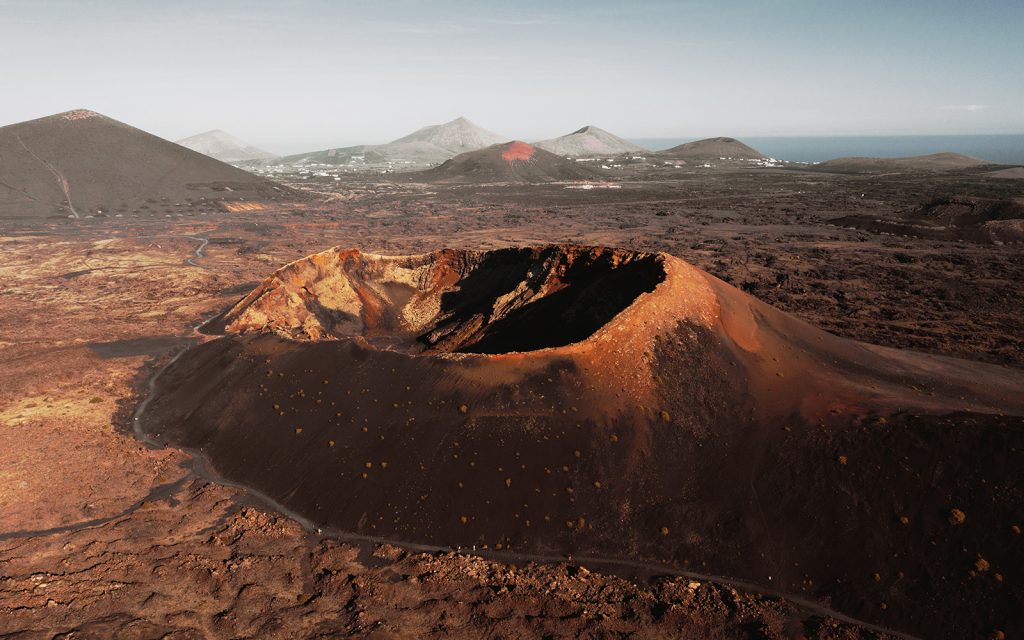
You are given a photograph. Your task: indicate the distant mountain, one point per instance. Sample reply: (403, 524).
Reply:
(713, 149)
(515, 162)
(224, 147)
(336, 156)
(934, 162)
(589, 141)
(425, 147)
(81, 163)
(458, 136)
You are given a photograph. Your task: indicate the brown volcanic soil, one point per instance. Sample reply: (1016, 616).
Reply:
(80, 297)
(986, 220)
(478, 399)
(962, 212)
(510, 162)
(221, 569)
(933, 162)
(81, 163)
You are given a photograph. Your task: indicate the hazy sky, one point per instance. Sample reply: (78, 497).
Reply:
(296, 75)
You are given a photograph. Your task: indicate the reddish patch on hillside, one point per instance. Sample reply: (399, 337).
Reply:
(517, 151)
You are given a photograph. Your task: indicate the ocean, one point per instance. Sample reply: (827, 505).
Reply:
(1004, 149)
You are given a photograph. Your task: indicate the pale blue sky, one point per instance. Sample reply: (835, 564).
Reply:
(295, 75)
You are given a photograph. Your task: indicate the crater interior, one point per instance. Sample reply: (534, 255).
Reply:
(488, 302)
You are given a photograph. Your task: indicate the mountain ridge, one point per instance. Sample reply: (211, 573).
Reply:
(427, 146)
(223, 146)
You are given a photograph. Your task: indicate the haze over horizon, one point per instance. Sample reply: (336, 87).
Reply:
(304, 74)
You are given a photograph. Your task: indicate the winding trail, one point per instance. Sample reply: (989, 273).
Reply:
(199, 237)
(156, 494)
(199, 250)
(159, 492)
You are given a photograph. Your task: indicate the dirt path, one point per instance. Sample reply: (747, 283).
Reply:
(203, 242)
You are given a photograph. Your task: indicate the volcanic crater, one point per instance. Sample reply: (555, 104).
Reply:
(619, 405)
(509, 300)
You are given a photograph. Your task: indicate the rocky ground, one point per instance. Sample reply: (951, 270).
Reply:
(201, 565)
(101, 536)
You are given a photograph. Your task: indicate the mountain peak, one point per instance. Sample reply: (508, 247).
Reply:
(589, 140)
(77, 114)
(713, 148)
(79, 164)
(455, 137)
(223, 146)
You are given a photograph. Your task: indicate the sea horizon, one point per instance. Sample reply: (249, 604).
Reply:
(998, 148)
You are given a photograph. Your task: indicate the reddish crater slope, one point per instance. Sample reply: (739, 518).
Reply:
(509, 162)
(517, 151)
(615, 404)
